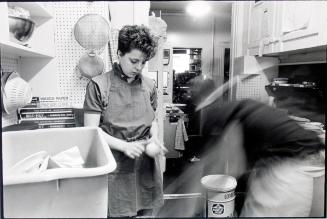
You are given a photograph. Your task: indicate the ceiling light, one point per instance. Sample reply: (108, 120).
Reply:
(198, 8)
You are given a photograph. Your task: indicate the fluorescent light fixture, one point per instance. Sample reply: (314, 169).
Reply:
(198, 8)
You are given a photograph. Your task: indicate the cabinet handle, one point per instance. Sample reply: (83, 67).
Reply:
(260, 48)
(274, 40)
(266, 41)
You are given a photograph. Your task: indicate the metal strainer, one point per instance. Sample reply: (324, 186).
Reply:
(92, 31)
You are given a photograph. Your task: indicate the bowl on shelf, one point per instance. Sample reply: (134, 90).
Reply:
(20, 28)
(280, 80)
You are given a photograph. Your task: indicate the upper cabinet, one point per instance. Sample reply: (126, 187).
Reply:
(41, 42)
(282, 26)
(302, 25)
(262, 27)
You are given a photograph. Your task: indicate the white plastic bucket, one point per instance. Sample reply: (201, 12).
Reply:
(58, 192)
(220, 195)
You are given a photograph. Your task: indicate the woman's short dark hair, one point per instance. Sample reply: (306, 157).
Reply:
(137, 37)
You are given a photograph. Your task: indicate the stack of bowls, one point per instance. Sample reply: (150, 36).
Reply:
(16, 93)
(21, 26)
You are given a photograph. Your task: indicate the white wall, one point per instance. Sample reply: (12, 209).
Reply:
(186, 31)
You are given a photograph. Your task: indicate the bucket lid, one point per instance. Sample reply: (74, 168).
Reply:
(221, 183)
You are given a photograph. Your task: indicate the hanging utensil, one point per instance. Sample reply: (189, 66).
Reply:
(90, 65)
(91, 32)
(15, 92)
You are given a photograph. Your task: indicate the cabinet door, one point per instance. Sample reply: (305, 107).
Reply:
(254, 28)
(262, 28)
(302, 25)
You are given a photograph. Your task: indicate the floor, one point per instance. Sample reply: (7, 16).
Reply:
(181, 182)
(183, 177)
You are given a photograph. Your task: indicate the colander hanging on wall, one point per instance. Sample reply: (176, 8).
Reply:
(15, 92)
(92, 32)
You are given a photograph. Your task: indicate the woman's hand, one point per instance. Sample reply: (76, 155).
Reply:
(154, 137)
(156, 141)
(133, 149)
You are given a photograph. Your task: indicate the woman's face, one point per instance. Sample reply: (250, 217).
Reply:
(132, 62)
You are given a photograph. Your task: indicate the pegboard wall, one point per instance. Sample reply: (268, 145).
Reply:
(254, 87)
(8, 64)
(68, 51)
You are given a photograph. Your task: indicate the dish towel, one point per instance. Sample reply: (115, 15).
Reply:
(181, 135)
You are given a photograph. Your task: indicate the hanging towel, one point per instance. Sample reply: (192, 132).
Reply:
(181, 135)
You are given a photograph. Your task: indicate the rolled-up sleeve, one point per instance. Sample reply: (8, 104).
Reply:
(92, 101)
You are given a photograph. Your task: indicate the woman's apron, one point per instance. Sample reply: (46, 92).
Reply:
(136, 183)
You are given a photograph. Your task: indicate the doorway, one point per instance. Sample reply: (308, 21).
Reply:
(186, 67)
(186, 33)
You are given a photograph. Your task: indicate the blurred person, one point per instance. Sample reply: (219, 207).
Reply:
(123, 103)
(281, 157)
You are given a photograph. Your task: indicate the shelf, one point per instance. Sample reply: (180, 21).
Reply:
(22, 51)
(286, 91)
(36, 9)
(302, 63)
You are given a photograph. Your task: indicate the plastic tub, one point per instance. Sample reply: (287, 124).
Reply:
(220, 195)
(61, 192)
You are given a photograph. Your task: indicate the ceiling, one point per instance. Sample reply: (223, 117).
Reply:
(218, 7)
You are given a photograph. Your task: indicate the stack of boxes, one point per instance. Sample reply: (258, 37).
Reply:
(48, 112)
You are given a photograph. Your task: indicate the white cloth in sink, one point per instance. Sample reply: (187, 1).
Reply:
(70, 158)
(41, 161)
(30, 164)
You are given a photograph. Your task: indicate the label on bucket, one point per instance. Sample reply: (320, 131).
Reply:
(220, 209)
(221, 196)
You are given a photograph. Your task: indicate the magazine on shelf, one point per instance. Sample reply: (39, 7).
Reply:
(43, 126)
(48, 120)
(38, 115)
(49, 102)
(45, 109)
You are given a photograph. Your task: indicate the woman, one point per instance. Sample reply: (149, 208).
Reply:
(123, 102)
(285, 162)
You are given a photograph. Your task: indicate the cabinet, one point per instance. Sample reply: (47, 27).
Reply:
(35, 60)
(283, 26)
(262, 27)
(302, 25)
